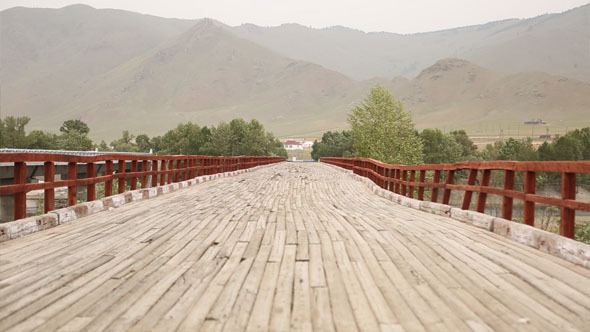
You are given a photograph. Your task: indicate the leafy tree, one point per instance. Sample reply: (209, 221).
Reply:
(440, 148)
(126, 143)
(469, 149)
(382, 130)
(143, 143)
(74, 141)
(12, 132)
(38, 139)
(75, 125)
(514, 149)
(333, 144)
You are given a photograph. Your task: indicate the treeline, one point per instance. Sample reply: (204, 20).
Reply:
(382, 130)
(238, 137)
(440, 148)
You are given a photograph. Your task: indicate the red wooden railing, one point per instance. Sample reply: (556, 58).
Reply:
(170, 169)
(402, 180)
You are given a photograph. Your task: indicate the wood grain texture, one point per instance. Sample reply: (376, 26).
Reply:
(293, 246)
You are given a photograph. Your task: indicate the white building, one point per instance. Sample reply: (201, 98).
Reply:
(307, 144)
(293, 145)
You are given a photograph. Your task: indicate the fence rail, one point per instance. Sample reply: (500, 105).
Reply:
(168, 168)
(404, 179)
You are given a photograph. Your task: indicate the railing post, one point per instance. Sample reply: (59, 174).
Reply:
(163, 169)
(421, 189)
(49, 194)
(108, 184)
(154, 176)
(171, 174)
(447, 192)
(568, 216)
(507, 201)
(20, 198)
(482, 197)
(404, 178)
(434, 192)
(468, 193)
(397, 177)
(121, 171)
(177, 172)
(91, 187)
(530, 179)
(133, 182)
(72, 188)
(410, 187)
(144, 176)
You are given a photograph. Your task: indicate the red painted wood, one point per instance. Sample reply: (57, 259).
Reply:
(467, 195)
(49, 194)
(20, 198)
(144, 177)
(568, 216)
(411, 188)
(421, 179)
(507, 201)
(163, 174)
(404, 187)
(91, 187)
(436, 180)
(133, 180)
(447, 192)
(108, 184)
(482, 196)
(530, 179)
(121, 171)
(72, 189)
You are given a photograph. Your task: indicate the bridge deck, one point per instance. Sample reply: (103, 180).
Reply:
(297, 246)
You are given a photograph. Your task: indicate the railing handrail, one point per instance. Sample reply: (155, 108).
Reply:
(169, 168)
(402, 179)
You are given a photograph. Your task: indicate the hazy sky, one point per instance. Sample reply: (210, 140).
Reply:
(401, 16)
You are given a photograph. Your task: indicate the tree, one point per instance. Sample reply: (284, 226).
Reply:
(468, 148)
(440, 148)
(333, 144)
(12, 132)
(78, 126)
(74, 141)
(382, 130)
(38, 139)
(514, 149)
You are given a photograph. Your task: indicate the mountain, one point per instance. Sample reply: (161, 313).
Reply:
(457, 93)
(46, 54)
(205, 75)
(118, 70)
(558, 44)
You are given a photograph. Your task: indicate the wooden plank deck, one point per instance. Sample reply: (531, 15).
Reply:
(290, 246)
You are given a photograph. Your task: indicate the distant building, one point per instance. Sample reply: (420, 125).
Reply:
(293, 145)
(535, 121)
(307, 144)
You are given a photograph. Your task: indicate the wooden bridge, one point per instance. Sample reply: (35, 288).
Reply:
(290, 246)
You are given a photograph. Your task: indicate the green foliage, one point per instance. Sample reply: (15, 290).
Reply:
(468, 148)
(512, 149)
(78, 126)
(12, 132)
(440, 148)
(74, 141)
(333, 144)
(582, 233)
(382, 130)
(239, 137)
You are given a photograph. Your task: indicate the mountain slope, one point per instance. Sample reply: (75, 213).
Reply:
(558, 44)
(456, 93)
(46, 54)
(208, 75)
